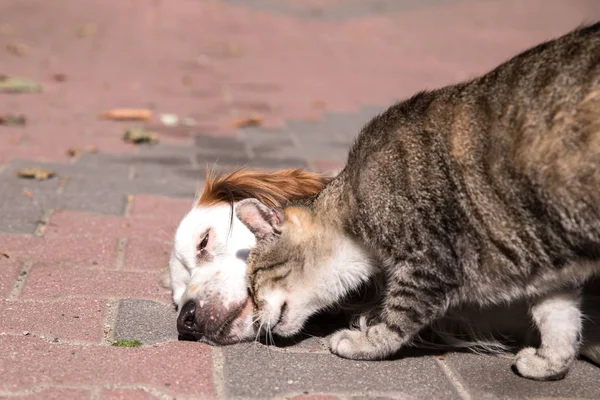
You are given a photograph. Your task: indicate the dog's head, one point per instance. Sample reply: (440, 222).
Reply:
(208, 261)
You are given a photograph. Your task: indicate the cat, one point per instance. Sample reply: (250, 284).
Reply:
(482, 193)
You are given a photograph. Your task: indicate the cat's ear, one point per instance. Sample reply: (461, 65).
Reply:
(262, 220)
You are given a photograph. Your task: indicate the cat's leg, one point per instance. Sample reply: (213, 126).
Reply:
(558, 318)
(413, 299)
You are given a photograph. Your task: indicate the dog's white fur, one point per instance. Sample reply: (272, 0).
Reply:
(221, 280)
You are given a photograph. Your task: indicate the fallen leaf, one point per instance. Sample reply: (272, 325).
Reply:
(18, 49)
(252, 120)
(139, 136)
(42, 229)
(11, 119)
(87, 30)
(441, 357)
(91, 149)
(127, 114)
(28, 193)
(38, 174)
(130, 198)
(58, 77)
(18, 85)
(71, 152)
(4, 255)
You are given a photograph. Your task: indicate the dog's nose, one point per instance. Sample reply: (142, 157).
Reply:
(186, 321)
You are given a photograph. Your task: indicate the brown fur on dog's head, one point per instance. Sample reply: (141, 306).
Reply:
(271, 188)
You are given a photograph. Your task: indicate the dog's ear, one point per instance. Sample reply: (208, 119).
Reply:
(263, 221)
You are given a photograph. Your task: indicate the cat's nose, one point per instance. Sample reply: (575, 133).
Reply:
(186, 321)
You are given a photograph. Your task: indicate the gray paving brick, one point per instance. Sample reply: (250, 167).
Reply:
(159, 179)
(214, 143)
(97, 183)
(21, 213)
(147, 321)
(344, 10)
(489, 377)
(253, 371)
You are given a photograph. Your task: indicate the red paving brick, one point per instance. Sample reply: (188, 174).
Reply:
(72, 320)
(160, 208)
(127, 394)
(154, 367)
(61, 251)
(55, 394)
(50, 282)
(147, 254)
(79, 224)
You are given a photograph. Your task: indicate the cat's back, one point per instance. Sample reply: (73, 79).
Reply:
(508, 154)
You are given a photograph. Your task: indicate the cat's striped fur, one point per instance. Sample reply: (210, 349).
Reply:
(481, 193)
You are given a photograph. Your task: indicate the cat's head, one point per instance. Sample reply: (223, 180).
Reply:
(299, 266)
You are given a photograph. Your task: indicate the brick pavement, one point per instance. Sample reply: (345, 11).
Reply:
(86, 247)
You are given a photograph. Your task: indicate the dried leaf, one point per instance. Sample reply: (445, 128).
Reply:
(3, 255)
(18, 85)
(14, 120)
(252, 120)
(139, 136)
(18, 49)
(91, 149)
(127, 114)
(441, 357)
(59, 77)
(71, 152)
(27, 193)
(38, 174)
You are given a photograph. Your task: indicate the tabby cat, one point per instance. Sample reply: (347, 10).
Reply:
(485, 192)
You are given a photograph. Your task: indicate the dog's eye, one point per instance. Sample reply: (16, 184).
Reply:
(203, 243)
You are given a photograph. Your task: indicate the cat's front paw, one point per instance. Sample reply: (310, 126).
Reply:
(529, 364)
(374, 343)
(351, 344)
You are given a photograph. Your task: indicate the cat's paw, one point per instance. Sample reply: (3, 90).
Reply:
(351, 344)
(374, 343)
(529, 364)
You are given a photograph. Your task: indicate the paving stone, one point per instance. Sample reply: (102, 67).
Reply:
(175, 182)
(8, 272)
(127, 394)
(103, 180)
(342, 10)
(283, 373)
(488, 377)
(71, 320)
(50, 281)
(277, 163)
(148, 253)
(57, 394)
(63, 251)
(210, 144)
(159, 207)
(20, 212)
(147, 321)
(175, 369)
